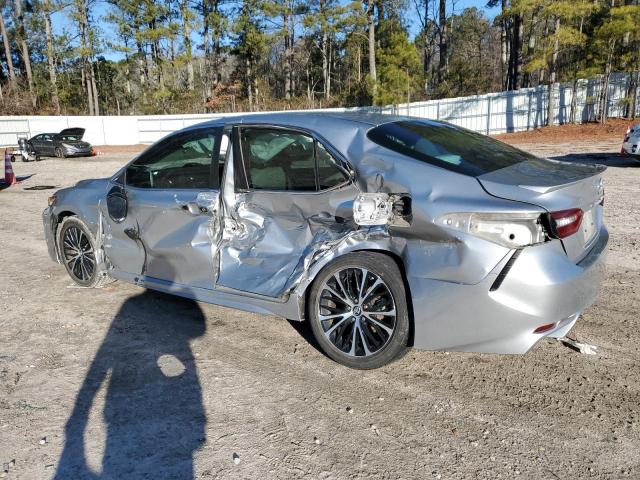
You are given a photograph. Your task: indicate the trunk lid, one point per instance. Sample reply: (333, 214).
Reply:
(555, 186)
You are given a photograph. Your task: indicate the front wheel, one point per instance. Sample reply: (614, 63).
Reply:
(358, 310)
(78, 253)
(59, 152)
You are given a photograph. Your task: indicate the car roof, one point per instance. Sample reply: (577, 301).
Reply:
(315, 119)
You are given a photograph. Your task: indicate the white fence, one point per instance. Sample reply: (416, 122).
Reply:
(492, 113)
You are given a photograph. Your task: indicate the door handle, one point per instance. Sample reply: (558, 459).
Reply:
(193, 208)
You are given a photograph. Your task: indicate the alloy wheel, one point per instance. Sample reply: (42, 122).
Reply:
(357, 311)
(78, 254)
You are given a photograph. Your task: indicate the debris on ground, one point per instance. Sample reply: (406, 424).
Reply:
(236, 458)
(581, 347)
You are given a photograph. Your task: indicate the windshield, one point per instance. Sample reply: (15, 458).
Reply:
(447, 146)
(69, 138)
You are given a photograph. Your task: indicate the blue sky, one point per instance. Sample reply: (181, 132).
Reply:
(61, 20)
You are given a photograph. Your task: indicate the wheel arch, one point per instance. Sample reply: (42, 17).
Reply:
(397, 259)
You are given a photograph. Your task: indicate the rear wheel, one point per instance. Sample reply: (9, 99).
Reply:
(78, 253)
(358, 310)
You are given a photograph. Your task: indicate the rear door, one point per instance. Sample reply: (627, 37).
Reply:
(171, 227)
(285, 192)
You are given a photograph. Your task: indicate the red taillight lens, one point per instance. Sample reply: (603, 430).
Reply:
(566, 222)
(544, 328)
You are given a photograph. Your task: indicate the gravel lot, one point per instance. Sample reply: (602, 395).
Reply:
(123, 383)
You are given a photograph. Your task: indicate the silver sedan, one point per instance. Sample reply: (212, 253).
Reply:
(383, 232)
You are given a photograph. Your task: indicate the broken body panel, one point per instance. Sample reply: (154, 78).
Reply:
(260, 250)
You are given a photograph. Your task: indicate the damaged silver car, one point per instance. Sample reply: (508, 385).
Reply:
(383, 232)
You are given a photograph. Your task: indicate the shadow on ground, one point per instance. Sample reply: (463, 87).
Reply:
(19, 179)
(608, 159)
(153, 410)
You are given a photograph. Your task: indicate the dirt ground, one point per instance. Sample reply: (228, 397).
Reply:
(122, 383)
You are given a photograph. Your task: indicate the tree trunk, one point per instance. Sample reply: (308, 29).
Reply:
(249, 83)
(86, 83)
(50, 60)
(24, 50)
(634, 95)
(287, 55)
(7, 49)
(372, 47)
(186, 32)
(531, 46)
(426, 59)
(328, 92)
(516, 51)
(552, 73)
(325, 62)
(94, 88)
(604, 94)
(503, 46)
(443, 65)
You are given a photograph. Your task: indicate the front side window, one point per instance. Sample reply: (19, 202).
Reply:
(182, 161)
(278, 159)
(447, 146)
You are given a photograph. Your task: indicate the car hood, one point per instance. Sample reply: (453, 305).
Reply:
(75, 131)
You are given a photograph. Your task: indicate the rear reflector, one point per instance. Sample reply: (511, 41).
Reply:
(544, 328)
(566, 222)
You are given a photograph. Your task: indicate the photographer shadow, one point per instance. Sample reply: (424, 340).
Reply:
(153, 408)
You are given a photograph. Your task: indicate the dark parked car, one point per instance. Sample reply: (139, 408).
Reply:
(67, 143)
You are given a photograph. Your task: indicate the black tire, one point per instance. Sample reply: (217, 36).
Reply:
(73, 237)
(59, 152)
(24, 158)
(375, 340)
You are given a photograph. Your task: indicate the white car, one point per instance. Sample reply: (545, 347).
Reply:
(631, 144)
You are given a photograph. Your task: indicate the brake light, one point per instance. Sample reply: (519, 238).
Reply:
(544, 328)
(565, 223)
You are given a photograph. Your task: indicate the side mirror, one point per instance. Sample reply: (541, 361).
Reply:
(117, 204)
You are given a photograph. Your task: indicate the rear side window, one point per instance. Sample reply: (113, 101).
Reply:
(447, 146)
(286, 160)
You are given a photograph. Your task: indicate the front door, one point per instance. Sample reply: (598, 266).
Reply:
(47, 145)
(170, 226)
(284, 195)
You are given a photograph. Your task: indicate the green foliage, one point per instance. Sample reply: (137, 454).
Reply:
(399, 69)
(210, 55)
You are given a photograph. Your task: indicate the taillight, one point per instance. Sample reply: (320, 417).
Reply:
(511, 230)
(565, 223)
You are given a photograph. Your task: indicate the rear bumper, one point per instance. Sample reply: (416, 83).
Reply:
(542, 287)
(49, 233)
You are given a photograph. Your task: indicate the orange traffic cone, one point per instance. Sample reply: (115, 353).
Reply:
(9, 176)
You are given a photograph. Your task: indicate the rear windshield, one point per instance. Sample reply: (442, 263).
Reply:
(447, 146)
